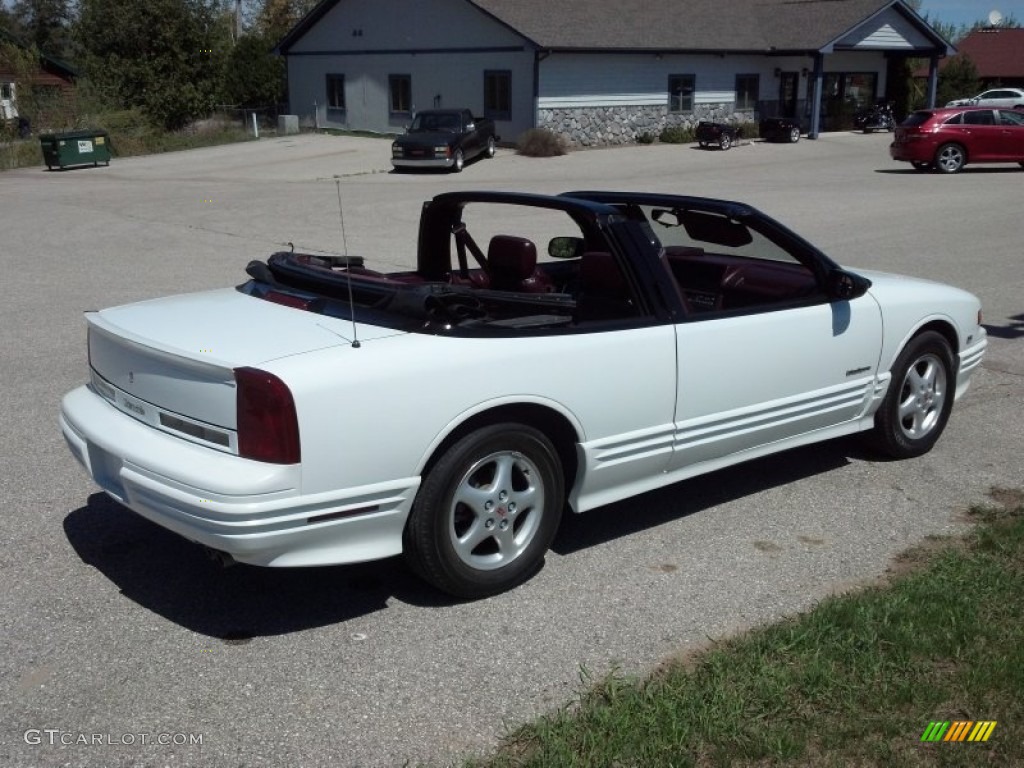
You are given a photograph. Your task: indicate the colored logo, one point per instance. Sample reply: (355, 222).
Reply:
(958, 730)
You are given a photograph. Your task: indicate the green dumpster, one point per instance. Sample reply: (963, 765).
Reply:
(75, 148)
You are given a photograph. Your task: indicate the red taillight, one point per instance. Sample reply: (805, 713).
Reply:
(287, 300)
(268, 429)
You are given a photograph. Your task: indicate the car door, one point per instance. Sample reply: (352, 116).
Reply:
(762, 355)
(1011, 135)
(980, 135)
(756, 378)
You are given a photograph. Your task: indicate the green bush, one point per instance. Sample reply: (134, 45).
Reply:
(540, 142)
(645, 138)
(676, 134)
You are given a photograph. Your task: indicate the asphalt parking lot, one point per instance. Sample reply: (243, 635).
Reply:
(119, 636)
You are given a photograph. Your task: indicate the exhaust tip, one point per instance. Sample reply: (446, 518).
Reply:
(223, 559)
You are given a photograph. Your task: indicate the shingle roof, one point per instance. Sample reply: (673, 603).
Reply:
(996, 52)
(668, 25)
(693, 25)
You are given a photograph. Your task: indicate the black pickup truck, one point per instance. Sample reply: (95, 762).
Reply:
(444, 138)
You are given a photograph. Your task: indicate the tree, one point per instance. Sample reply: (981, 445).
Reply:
(164, 56)
(45, 24)
(275, 18)
(958, 79)
(254, 75)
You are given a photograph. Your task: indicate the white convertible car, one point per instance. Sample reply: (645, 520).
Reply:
(325, 413)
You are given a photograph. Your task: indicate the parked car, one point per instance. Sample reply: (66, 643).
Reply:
(325, 413)
(444, 138)
(780, 129)
(947, 139)
(996, 97)
(722, 135)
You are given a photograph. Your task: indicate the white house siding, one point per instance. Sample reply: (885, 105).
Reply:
(888, 30)
(617, 98)
(444, 46)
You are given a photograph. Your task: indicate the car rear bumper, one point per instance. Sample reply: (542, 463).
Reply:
(251, 510)
(912, 151)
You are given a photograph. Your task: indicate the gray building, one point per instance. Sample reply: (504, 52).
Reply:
(599, 72)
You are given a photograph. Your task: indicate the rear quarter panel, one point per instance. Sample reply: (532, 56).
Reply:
(377, 413)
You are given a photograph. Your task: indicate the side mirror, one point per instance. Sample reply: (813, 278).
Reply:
(565, 247)
(844, 286)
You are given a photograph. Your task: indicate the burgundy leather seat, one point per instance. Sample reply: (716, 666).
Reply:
(512, 266)
(604, 293)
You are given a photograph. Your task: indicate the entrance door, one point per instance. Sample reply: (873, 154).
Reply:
(788, 84)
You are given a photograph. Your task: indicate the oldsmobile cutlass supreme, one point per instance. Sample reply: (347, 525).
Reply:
(322, 412)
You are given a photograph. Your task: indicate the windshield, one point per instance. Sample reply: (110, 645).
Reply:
(432, 122)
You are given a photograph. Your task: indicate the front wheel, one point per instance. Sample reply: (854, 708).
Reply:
(486, 512)
(724, 141)
(950, 158)
(490, 151)
(920, 397)
(794, 135)
(458, 161)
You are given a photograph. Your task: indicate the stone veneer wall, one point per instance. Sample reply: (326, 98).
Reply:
(602, 126)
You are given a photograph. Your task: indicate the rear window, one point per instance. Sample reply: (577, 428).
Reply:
(916, 118)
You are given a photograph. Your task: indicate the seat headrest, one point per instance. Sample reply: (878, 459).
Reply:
(511, 258)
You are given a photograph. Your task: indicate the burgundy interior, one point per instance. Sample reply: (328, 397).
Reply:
(512, 266)
(714, 281)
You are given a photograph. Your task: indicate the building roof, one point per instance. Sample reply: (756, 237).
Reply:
(665, 25)
(996, 52)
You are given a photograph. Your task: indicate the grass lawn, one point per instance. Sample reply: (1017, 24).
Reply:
(855, 681)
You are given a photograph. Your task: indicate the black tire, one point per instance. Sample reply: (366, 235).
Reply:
(724, 141)
(920, 397)
(458, 161)
(794, 135)
(486, 512)
(491, 150)
(950, 158)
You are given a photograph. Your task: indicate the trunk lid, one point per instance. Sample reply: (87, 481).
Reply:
(175, 357)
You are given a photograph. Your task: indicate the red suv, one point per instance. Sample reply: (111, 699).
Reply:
(948, 139)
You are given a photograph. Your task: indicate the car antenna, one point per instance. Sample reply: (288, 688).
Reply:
(348, 267)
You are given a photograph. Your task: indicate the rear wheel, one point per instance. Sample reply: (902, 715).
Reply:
(794, 135)
(724, 141)
(458, 161)
(486, 512)
(950, 158)
(920, 397)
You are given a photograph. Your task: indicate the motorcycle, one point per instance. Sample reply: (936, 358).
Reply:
(876, 118)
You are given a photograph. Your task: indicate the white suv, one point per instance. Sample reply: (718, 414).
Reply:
(997, 97)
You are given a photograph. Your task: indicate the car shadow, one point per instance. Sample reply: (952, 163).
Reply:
(1012, 330)
(688, 497)
(175, 578)
(979, 169)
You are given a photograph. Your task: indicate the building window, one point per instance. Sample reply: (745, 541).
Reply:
(6, 91)
(335, 94)
(401, 94)
(680, 92)
(498, 94)
(746, 91)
